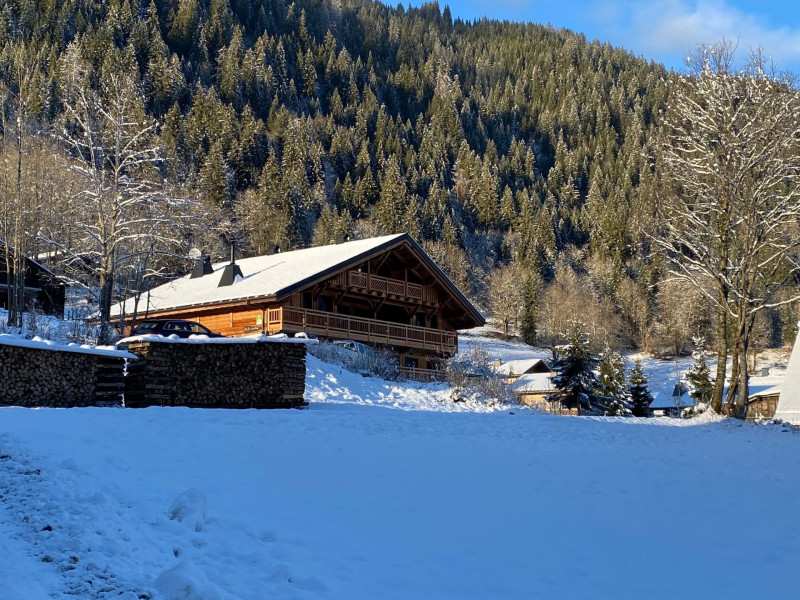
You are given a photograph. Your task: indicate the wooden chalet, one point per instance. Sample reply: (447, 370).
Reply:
(385, 292)
(44, 291)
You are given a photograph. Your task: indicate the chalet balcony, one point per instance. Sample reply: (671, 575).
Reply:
(294, 320)
(384, 287)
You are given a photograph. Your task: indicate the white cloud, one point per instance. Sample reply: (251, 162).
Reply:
(673, 26)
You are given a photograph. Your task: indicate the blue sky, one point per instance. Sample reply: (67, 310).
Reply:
(661, 30)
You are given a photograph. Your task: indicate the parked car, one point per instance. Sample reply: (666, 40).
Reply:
(182, 329)
(360, 355)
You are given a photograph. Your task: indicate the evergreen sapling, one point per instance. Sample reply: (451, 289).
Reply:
(639, 394)
(576, 379)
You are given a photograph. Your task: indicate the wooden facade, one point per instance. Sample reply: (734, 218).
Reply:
(760, 407)
(394, 298)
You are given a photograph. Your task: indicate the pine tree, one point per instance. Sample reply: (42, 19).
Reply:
(639, 394)
(612, 381)
(576, 379)
(699, 376)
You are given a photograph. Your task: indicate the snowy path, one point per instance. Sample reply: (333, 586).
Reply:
(349, 501)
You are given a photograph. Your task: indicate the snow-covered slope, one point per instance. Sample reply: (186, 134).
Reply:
(353, 498)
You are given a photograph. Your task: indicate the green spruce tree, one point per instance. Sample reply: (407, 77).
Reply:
(699, 376)
(576, 379)
(639, 394)
(612, 381)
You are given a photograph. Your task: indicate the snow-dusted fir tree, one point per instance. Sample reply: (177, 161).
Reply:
(611, 375)
(638, 391)
(699, 375)
(576, 379)
(121, 210)
(730, 196)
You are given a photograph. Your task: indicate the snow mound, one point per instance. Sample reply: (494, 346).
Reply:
(185, 581)
(191, 509)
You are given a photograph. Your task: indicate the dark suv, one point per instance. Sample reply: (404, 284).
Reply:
(182, 329)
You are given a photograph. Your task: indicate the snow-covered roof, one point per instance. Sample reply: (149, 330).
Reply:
(764, 386)
(518, 367)
(276, 276)
(533, 382)
(280, 338)
(765, 391)
(662, 400)
(37, 263)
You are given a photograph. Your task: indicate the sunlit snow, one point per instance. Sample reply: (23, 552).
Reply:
(391, 490)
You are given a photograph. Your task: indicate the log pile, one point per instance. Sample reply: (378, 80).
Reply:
(213, 375)
(40, 377)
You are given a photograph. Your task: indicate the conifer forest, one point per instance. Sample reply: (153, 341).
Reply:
(562, 183)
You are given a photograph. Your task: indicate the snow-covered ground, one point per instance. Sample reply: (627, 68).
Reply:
(391, 490)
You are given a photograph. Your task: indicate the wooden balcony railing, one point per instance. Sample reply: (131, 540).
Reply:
(289, 319)
(384, 286)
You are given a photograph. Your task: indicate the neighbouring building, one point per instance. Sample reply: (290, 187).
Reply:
(385, 292)
(513, 369)
(674, 404)
(538, 391)
(761, 404)
(44, 291)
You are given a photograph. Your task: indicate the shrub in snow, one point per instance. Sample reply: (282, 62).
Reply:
(693, 411)
(470, 372)
(191, 509)
(381, 364)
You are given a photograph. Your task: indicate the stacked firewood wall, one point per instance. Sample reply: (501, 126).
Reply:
(212, 375)
(39, 377)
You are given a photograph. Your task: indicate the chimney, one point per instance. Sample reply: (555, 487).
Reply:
(273, 249)
(202, 267)
(341, 239)
(231, 271)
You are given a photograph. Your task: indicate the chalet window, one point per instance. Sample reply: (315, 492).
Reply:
(343, 310)
(305, 300)
(410, 363)
(435, 322)
(419, 320)
(325, 303)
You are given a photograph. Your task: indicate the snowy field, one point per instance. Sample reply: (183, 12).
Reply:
(389, 490)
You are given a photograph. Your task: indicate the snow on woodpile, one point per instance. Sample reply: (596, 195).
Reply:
(38, 343)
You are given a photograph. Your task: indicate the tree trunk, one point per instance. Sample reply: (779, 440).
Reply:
(104, 304)
(722, 356)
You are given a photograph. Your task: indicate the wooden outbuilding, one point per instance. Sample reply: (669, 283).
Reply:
(44, 291)
(385, 292)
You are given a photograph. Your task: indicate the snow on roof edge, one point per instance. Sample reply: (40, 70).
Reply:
(204, 339)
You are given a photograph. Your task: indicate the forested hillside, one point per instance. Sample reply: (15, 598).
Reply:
(519, 155)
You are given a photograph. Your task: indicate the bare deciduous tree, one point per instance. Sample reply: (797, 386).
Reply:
(506, 286)
(730, 203)
(122, 209)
